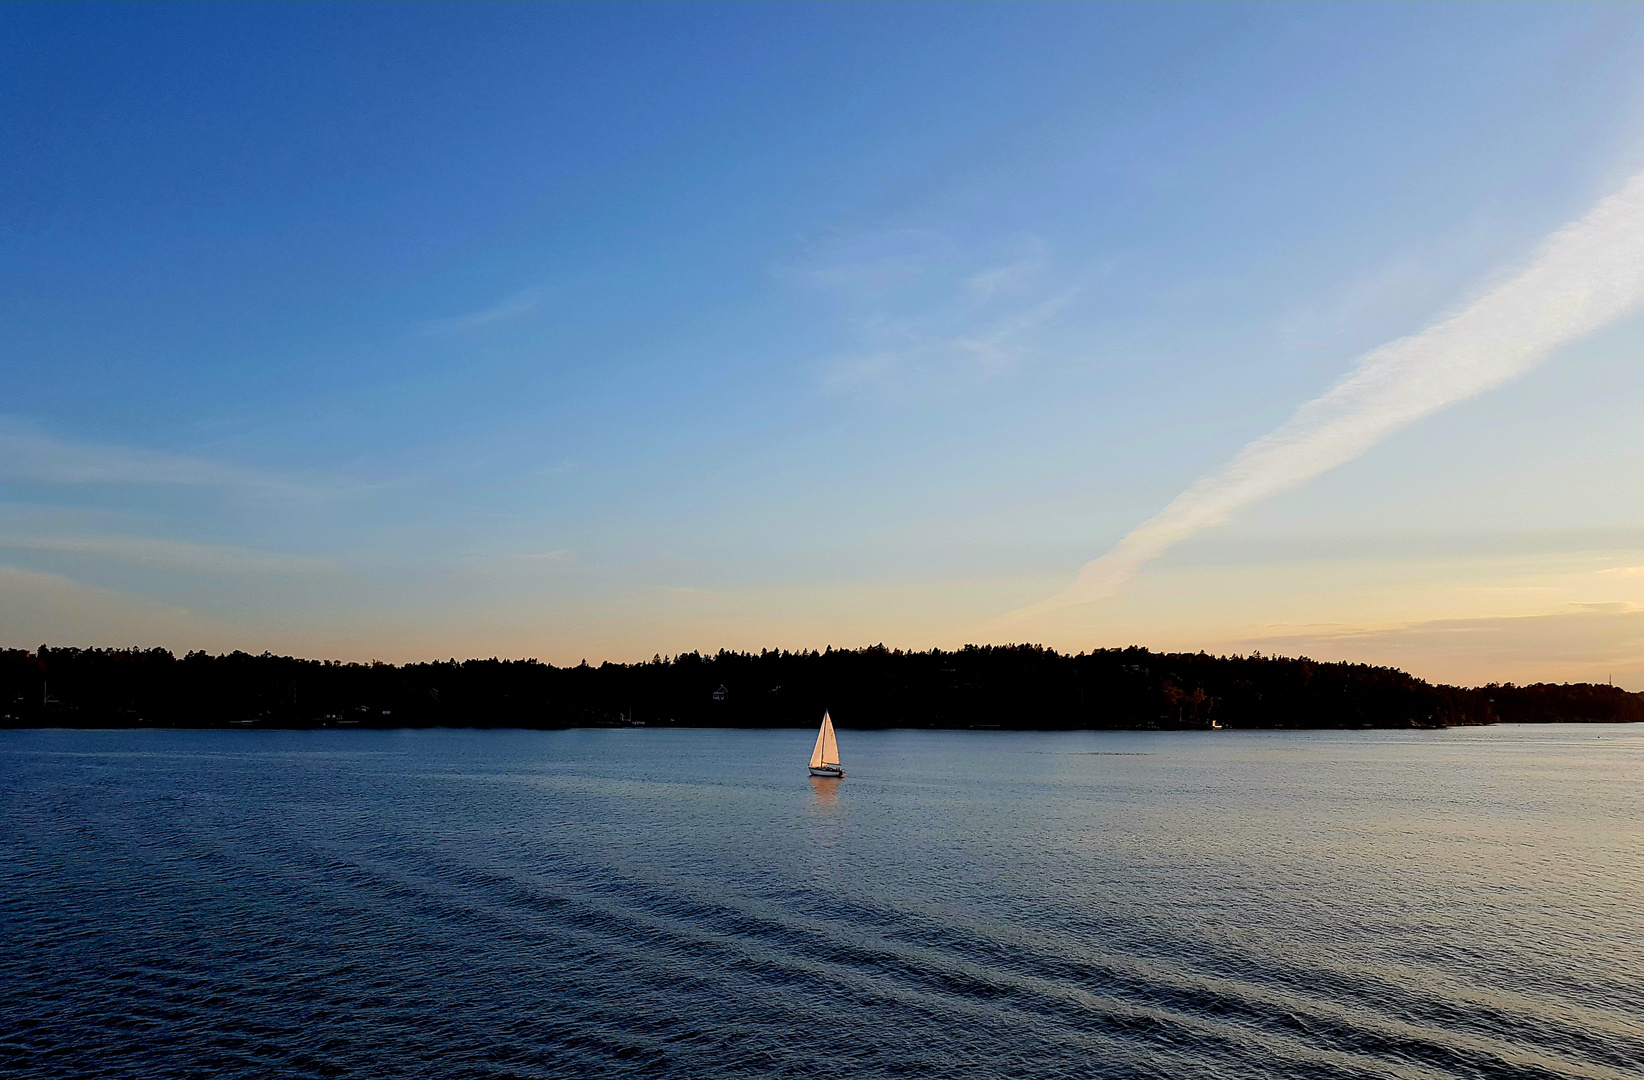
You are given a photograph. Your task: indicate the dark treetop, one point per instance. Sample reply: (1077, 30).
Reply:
(1010, 686)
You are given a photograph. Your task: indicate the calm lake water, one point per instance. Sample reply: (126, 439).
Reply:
(1465, 903)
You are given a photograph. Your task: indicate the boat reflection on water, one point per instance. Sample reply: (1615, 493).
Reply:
(826, 789)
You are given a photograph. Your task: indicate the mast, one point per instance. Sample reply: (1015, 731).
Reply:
(830, 745)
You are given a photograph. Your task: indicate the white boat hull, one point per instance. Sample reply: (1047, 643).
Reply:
(826, 770)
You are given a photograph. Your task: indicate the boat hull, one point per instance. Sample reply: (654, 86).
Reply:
(826, 770)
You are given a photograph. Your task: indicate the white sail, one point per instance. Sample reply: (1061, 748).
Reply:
(827, 747)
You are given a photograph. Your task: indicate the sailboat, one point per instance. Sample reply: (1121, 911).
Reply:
(825, 758)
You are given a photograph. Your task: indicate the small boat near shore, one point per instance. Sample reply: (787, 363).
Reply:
(825, 758)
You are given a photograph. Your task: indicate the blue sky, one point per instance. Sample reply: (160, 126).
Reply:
(601, 331)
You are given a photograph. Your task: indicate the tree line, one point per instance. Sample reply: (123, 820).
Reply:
(978, 686)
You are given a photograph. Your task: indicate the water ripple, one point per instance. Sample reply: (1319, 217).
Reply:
(474, 904)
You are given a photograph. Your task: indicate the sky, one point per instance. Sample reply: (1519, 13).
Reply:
(603, 331)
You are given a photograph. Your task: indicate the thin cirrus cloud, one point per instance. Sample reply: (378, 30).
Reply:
(29, 455)
(1001, 345)
(512, 307)
(558, 555)
(1586, 275)
(57, 608)
(1594, 642)
(177, 555)
(914, 308)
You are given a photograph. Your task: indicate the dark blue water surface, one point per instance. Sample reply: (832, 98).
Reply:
(1464, 903)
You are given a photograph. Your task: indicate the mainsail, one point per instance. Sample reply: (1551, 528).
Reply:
(827, 747)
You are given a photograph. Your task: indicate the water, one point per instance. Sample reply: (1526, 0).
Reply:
(1464, 903)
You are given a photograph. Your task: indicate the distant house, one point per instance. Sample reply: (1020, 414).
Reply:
(719, 695)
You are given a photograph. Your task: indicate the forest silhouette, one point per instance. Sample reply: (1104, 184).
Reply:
(1022, 687)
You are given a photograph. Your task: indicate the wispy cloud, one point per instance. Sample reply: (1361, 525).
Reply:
(509, 308)
(561, 555)
(1585, 276)
(164, 554)
(916, 307)
(1589, 644)
(1006, 279)
(1002, 345)
(868, 265)
(30, 455)
(1624, 571)
(49, 607)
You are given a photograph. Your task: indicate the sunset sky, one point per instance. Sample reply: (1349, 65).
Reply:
(599, 331)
